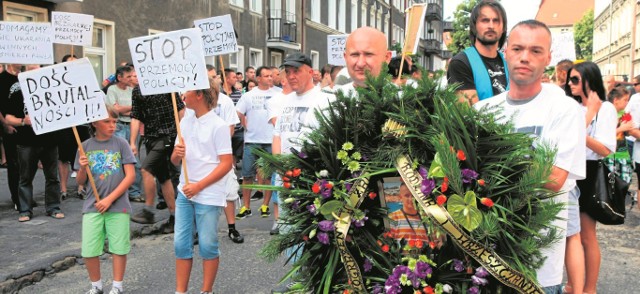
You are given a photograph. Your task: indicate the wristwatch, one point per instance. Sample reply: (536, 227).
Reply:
(22, 122)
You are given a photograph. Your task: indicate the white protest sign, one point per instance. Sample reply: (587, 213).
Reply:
(72, 28)
(26, 43)
(62, 95)
(170, 62)
(335, 49)
(218, 36)
(562, 47)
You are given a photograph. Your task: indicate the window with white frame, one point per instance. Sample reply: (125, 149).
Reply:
(332, 14)
(255, 6)
(101, 53)
(239, 3)
(385, 28)
(342, 16)
(363, 15)
(315, 10)
(276, 58)
(379, 20)
(372, 17)
(354, 15)
(290, 8)
(255, 57)
(315, 59)
(23, 13)
(236, 60)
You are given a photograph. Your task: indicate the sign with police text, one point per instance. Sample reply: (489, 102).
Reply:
(26, 43)
(218, 35)
(62, 96)
(72, 28)
(335, 49)
(562, 47)
(169, 62)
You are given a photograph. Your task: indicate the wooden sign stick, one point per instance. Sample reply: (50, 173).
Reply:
(224, 76)
(91, 180)
(175, 113)
(406, 35)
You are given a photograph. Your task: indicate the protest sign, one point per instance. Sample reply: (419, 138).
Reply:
(562, 47)
(25, 43)
(62, 96)
(415, 25)
(72, 28)
(335, 49)
(169, 62)
(218, 36)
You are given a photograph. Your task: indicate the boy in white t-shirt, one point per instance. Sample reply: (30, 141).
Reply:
(545, 112)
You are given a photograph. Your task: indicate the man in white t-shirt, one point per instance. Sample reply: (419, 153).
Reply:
(545, 112)
(253, 112)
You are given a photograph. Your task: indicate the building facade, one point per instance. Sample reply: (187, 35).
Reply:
(612, 37)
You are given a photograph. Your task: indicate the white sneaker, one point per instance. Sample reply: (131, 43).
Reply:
(74, 174)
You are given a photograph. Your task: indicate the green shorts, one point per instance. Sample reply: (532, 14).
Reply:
(113, 225)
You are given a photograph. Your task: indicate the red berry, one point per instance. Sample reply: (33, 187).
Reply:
(441, 199)
(297, 172)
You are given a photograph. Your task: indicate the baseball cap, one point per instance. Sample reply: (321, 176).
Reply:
(296, 60)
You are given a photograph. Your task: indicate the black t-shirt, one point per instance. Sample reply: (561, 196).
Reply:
(460, 72)
(6, 81)
(24, 134)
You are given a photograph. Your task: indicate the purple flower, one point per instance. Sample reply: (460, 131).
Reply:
(481, 272)
(347, 186)
(427, 186)
(323, 238)
(326, 226)
(422, 170)
(367, 266)
(423, 269)
(468, 175)
(302, 155)
(478, 281)
(326, 193)
(378, 289)
(295, 205)
(458, 265)
(473, 290)
(312, 209)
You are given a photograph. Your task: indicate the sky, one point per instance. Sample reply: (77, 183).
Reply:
(517, 10)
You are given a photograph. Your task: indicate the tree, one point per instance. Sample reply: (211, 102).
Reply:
(583, 36)
(460, 35)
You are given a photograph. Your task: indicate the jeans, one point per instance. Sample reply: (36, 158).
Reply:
(557, 289)
(13, 172)
(28, 157)
(124, 131)
(192, 216)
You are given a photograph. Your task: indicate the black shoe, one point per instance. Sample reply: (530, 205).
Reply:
(144, 216)
(257, 195)
(235, 236)
(136, 198)
(167, 228)
(161, 205)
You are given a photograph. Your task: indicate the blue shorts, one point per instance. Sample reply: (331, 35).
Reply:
(190, 217)
(573, 223)
(249, 159)
(557, 289)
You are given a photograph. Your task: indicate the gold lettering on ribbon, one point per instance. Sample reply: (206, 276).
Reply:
(342, 229)
(494, 264)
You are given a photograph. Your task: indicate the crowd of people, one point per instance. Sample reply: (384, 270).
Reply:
(272, 109)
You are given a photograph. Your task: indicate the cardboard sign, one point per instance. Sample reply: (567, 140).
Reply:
(170, 62)
(335, 49)
(218, 36)
(562, 47)
(62, 96)
(72, 28)
(26, 43)
(415, 25)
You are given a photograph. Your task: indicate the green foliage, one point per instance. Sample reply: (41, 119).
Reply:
(460, 34)
(583, 36)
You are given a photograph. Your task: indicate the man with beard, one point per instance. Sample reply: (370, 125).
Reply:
(480, 70)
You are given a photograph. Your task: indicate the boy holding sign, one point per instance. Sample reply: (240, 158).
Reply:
(113, 165)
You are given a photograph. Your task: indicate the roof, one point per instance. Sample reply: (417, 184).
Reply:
(563, 12)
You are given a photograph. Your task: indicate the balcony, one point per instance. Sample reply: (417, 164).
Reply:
(447, 26)
(434, 12)
(282, 30)
(446, 54)
(431, 46)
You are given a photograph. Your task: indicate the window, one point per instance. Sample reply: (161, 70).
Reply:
(236, 60)
(315, 59)
(372, 18)
(255, 57)
(332, 14)
(315, 10)
(276, 58)
(23, 13)
(239, 3)
(342, 16)
(385, 28)
(379, 20)
(255, 6)
(354, 15)
(101, 53)
(290, 7)
(363, 15)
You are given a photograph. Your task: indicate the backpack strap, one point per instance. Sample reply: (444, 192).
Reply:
(481, 75)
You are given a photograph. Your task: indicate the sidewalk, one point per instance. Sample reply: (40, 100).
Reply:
(45, 245)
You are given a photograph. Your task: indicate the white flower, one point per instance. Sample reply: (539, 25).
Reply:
(324, 173)
(447, 288)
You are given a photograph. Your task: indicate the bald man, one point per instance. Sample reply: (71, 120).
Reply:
(365, 51)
